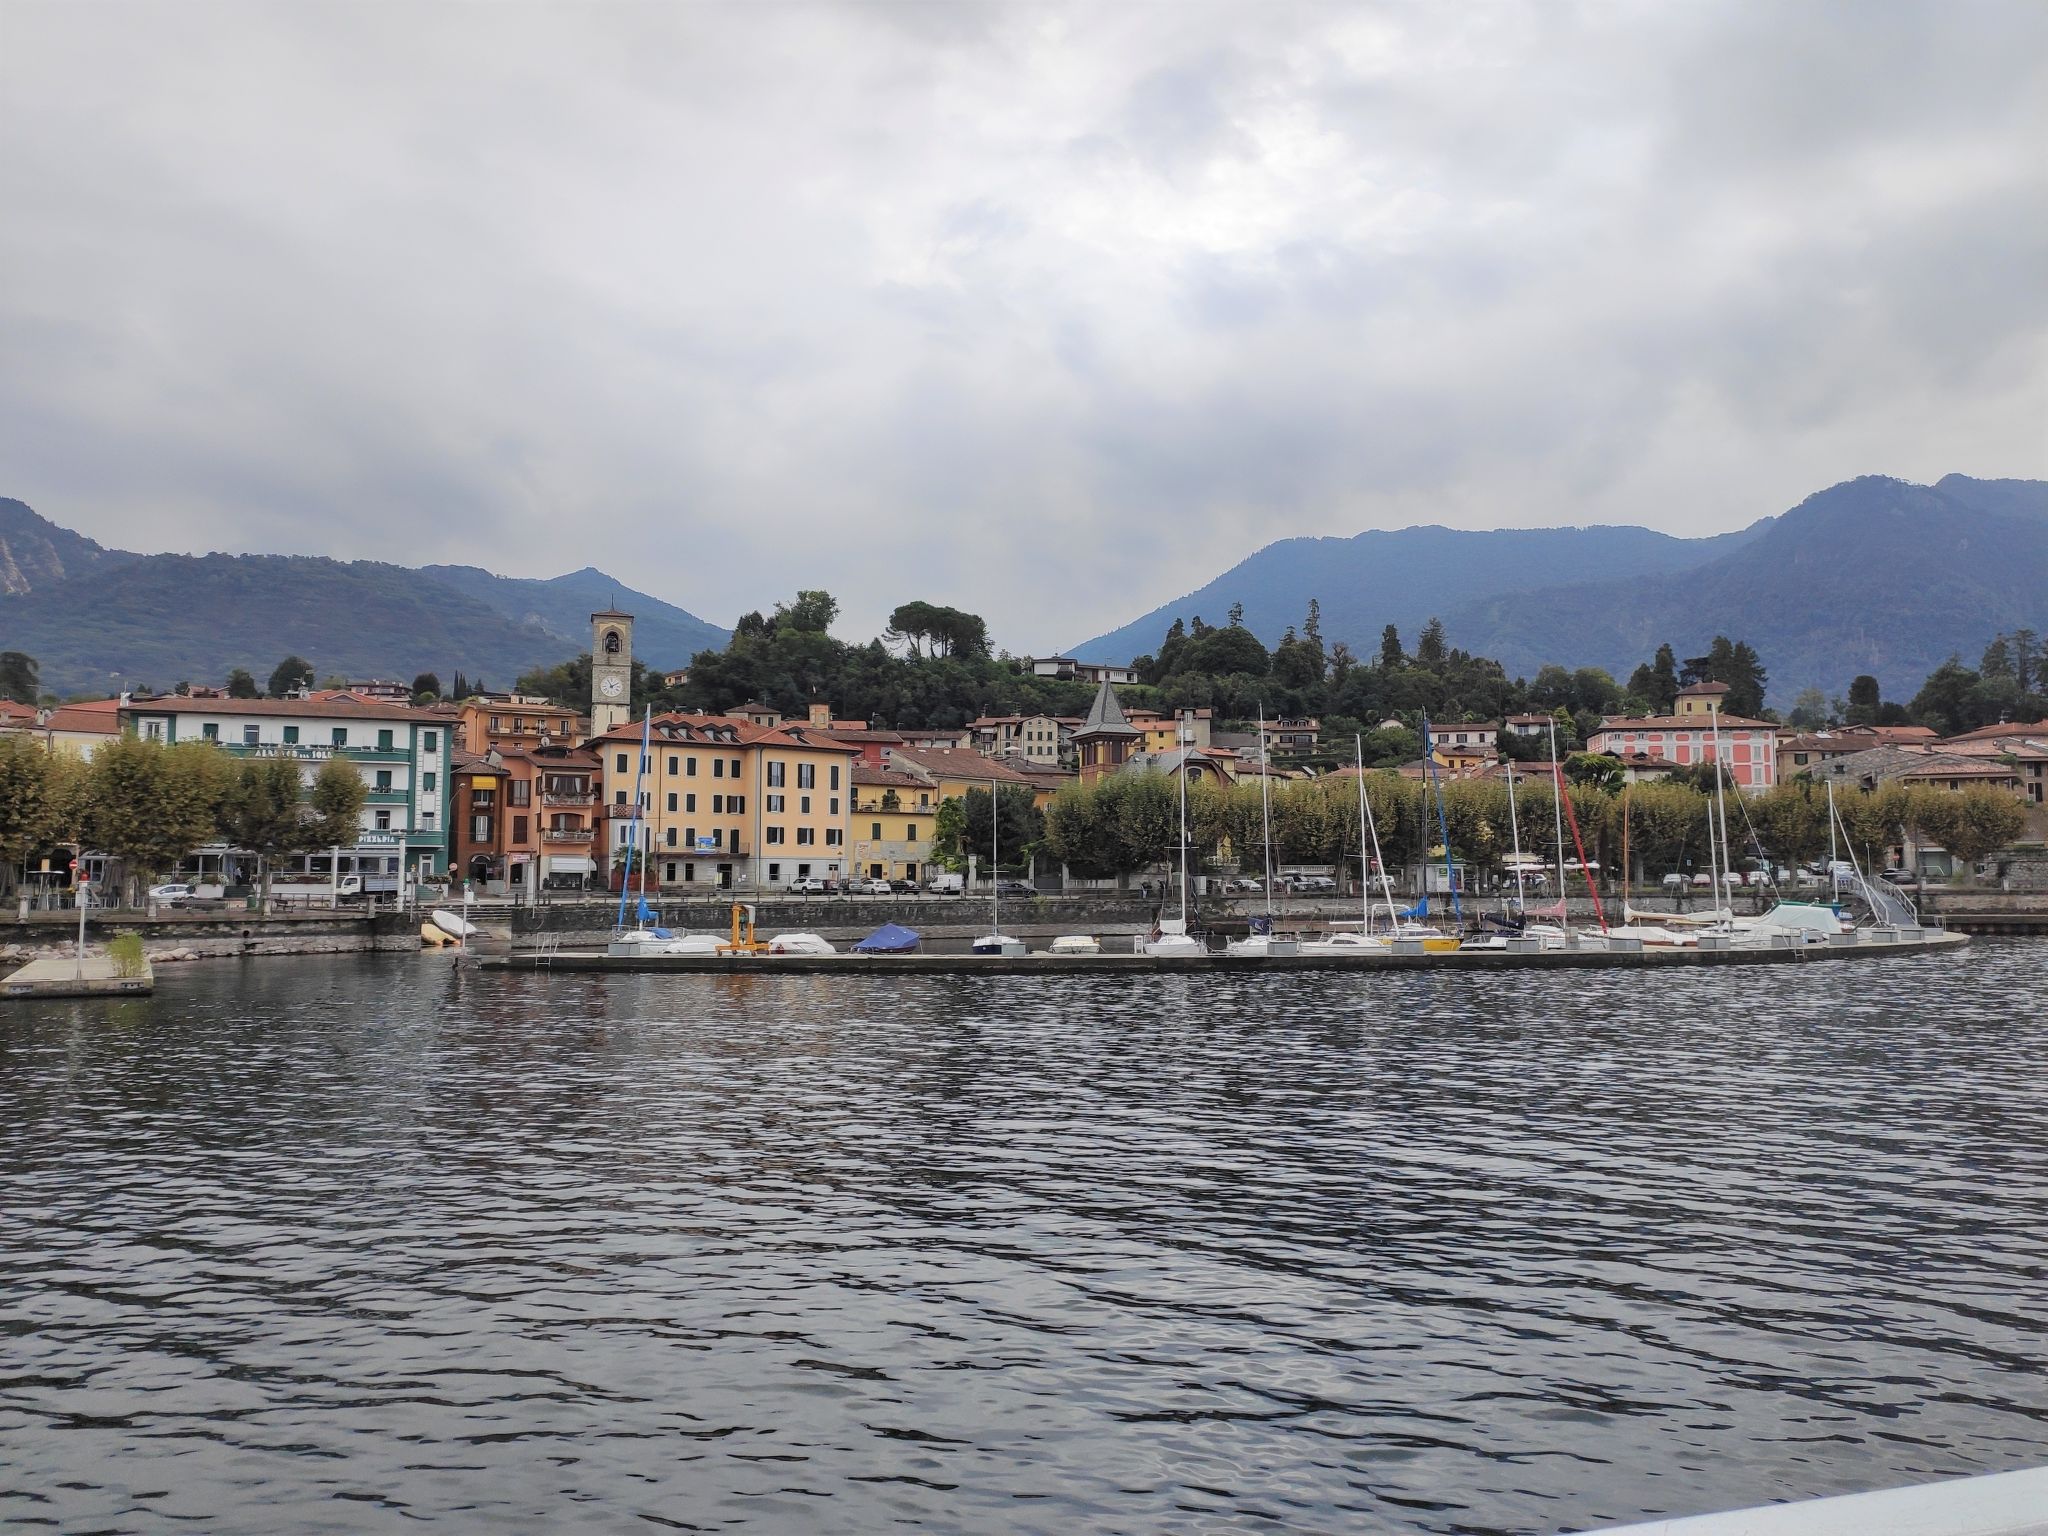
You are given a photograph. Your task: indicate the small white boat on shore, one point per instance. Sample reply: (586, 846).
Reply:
(1075, 944)
(997, 944)
(453, 924)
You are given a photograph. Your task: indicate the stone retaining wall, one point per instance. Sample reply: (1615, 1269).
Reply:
(173, 937)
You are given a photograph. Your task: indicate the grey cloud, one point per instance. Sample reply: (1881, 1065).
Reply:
(1049, 311)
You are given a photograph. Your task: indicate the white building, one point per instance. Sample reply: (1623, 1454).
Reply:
(402, 754)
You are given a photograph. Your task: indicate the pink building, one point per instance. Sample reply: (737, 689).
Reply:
(1749, 747)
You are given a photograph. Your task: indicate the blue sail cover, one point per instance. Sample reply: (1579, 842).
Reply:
(887, 940)
(1420, 909)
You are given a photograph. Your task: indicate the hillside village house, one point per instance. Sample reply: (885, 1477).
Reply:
(401, 752)
(1467, 737)
(2024, 746)
(1748, 748)
(1041, 739)
(1066, 667)
(726, 802)
(1293, 738)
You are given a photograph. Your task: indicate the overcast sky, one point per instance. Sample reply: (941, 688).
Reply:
(1049, 312)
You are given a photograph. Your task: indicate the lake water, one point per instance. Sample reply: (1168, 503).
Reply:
(320, 1245)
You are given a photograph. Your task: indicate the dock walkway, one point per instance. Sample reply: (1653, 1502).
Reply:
(1909, 942)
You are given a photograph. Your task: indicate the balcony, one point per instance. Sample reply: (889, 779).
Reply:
(568, 802)
(386, 797)
(565, 834)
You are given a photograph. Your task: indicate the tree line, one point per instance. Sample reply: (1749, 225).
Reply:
(149, 804)
(1124, 823)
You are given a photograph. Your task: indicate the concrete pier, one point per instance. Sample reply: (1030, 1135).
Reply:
(1906, 942)
(68, 976)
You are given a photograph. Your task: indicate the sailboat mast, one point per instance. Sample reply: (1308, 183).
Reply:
(633, 831)
(1557, 812)
(1364, 869)
(1443, 823)
(995, 883)
(1721, 802)
(1515, 830)
(1181, 736)
(1372, 829)
(1834, 857)
(1266, 808)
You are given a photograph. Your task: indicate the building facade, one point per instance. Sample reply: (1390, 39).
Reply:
(894, 815)
(1697, 731)
(726, 803)
(402, 754)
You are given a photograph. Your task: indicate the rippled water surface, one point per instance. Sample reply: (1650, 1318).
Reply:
(320, 1245)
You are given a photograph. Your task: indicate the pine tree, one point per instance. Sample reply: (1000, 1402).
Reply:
(1391, 654)
(1312, 627)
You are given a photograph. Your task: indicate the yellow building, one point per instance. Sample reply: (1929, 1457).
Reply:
(893, 818)
(725, 802)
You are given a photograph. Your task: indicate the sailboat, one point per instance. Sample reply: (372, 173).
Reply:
(1266, 942)
(1364, 941)
(1547, 935)
(1170, 936)
(995, 941)
(1652, 934)
(647, 936)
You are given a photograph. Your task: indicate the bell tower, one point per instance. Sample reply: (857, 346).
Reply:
(611, 670)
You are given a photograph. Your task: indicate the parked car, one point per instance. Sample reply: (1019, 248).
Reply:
(1243, 883)
(1314, 885)
(174, 893)
(1015, 888)
(809, 887)
(903, 887)
(1904, 878)
(1674, 882)
(871, 888)
(1703, 882)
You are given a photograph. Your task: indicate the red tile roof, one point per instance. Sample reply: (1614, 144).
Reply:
(1683, 723)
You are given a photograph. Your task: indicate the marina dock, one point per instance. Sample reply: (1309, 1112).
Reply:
(1586, 957)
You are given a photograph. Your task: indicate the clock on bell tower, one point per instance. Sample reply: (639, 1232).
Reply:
(611, 670)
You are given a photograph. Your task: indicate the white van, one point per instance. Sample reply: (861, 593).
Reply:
(946, 885)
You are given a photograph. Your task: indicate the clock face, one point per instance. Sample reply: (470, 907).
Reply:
(611, 687)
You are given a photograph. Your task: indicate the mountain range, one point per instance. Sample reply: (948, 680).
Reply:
(99, 619)
(1873, 575)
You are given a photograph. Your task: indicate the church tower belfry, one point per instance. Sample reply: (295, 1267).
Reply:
(611, 670)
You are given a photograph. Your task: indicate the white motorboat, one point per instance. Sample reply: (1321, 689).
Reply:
(997, 944)
(1258, 945)
(1075, 944)
(799, 944)
(659, 941)
(1345, 944)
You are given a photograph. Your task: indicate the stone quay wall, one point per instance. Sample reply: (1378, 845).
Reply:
(174, 935)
